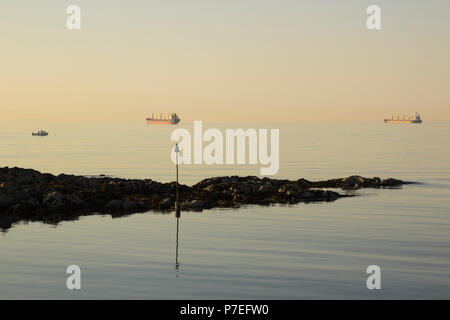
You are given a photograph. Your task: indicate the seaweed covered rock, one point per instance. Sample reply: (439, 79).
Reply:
(29, 194)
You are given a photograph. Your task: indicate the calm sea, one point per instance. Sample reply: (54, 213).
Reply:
(318, 250)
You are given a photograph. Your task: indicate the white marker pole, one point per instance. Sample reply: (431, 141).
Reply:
(177, 203)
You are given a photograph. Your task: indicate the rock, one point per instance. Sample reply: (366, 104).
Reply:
(376, 181)
(6, 200)
(56, 200)
(307, 195)
(53, 200)
(197, 204)
(166, 203)
(303, 183)
(292, 193)
(265, 188)
(120, 205)
(210, 188)
(28, 194)
(353, 182)
(391, 182)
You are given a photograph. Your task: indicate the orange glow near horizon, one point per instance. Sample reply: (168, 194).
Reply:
(230, 62)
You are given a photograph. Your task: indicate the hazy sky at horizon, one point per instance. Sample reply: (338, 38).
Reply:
(232, 60)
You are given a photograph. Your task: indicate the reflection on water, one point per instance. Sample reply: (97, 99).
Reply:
(316, 250)
(177, 263)
(309, 250)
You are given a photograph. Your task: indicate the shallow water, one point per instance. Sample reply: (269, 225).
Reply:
(318, 250)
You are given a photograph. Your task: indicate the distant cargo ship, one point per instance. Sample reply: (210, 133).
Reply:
(171, 119)
(411, 119)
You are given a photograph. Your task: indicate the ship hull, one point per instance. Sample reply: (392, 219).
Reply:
(152, 121)
(402, 121)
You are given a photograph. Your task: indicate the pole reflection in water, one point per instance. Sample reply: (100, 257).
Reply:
(177, 263)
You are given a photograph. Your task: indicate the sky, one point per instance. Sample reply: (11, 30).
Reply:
(224, 61)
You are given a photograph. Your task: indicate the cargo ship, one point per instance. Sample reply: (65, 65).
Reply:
(411, 119)
(171, 118)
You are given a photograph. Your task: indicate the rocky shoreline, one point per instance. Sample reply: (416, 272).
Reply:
(29, 195)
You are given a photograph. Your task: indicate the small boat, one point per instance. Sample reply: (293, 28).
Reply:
(41, 133)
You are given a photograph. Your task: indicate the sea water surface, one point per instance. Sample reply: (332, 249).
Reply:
(305, 251)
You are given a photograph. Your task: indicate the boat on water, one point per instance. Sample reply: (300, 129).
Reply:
(171, 118)
(411, 119)
(41, 133)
